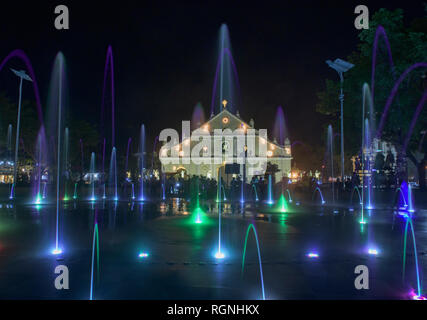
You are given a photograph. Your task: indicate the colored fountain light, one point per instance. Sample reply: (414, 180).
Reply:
(219, 255)
(198, 213)
(143, 255)
(373, 251)
(282, 205)
(362, 221)
(415, 296)
(38, 199)
(312, 255)
(57, 251)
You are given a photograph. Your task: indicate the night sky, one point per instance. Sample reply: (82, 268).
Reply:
(165, 56)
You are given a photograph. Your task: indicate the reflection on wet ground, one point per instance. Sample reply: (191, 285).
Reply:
(155, 250)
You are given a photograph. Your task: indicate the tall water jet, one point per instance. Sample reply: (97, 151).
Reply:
(164, 186)
(66, 164)
(226, 83)
(113, 175)
(330, 143)
(109, 66)
(270, 191)
(141, 163)
(219, 254)
(251, 226)
(280, 129)
(367, 171)
(103, 156)
(40, 157)
(156, 140)
(410, 199)
(57, 99)
(92, 176)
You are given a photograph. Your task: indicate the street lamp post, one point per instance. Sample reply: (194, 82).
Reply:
(341, 66)
(22, 76)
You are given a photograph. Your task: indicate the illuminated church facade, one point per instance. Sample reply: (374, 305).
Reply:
(280, 155)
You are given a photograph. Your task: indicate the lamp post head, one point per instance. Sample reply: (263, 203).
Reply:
(340, 65)
(21, 74)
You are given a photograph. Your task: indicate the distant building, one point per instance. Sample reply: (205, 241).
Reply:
(6, 171)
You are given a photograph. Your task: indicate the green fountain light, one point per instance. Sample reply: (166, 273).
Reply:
(282, 205)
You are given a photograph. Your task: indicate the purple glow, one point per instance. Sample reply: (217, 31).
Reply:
(379, 32)
(312, 255)
(220, 60)
(109, 62)
(414, 120)
(415, 296)
(394, 92)
(373, 251)
(279, 130)
(56, 251)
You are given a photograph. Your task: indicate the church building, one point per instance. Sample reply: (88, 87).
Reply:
(277, 154)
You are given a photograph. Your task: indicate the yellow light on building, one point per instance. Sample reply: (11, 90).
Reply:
(269, 153)
(272, 147)
(288, 150)
(224, 103)
(181, 153)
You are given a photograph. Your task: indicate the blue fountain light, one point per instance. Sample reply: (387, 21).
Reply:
(219, 255)
(56, 251)
(313, 255)
(143, 255)
(373, 251)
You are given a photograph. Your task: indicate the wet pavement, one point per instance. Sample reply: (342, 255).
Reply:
(181, 262)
